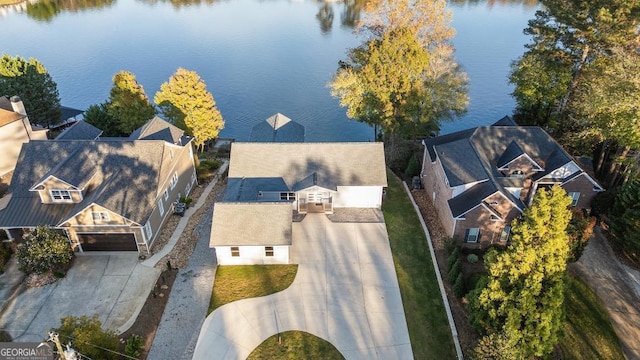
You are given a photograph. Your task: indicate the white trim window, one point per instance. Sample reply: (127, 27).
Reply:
(61, 195)
(193, 178)
(100, 216)
(287, 196)
(148, 231)
(160, 207)
(472, 235)
(187, 188)
(575, 196)
(166, 194)
(504, 234)
(235, 251)
(174, 181)
(268, 251)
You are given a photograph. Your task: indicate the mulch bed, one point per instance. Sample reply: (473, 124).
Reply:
(467, 335)
(147, 322)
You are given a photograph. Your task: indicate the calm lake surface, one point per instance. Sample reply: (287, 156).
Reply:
(258, 57)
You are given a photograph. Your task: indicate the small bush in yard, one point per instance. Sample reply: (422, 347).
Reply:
(450, 245)
(458, 286)
(456, 270)
(87, 337)
(494, 346)
(133, 346)
(5, 255)
(43, 250)
(472, 258)
(453, 257)
(413, 168)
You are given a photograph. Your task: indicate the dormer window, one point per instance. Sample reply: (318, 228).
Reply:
(518, 174)
(61, 195)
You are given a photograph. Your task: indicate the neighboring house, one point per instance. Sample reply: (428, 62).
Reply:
(277, 128)
(480, 179)
(80, 130)
(15, 130)
(109, 194)
(269, 183)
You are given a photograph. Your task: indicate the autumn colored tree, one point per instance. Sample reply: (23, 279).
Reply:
(128, 105)
(525, 292)
(403, 79)
(185, 101)
(32, 83)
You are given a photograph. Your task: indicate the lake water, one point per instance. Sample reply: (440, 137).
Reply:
(258, 57)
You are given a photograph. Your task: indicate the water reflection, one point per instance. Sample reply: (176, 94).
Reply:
(45, 10)
(177, 4)
(492, 3)
(325, 17)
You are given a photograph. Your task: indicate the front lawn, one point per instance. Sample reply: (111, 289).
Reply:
(426, 318)
(246, 281)
(295, 345)
(588, 333)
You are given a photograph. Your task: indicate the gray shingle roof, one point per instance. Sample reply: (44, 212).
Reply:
(158, 129)
(259, 224)
(505, 121)
(277, 128)
(344, 164)
(460, 162)
(512, 152)
(247, 189)
(81, 130)
(471, 198)
(127, 174)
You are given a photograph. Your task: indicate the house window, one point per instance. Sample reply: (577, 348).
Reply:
(147, 230)
(493, 203)
(235, 251)
(504, 234)
(160, 207)
(166, 195)
(495, 218)
(517, 174)
(193, 178)
(472, 235)
(174, 181)
(100, 215)
(268, 251)
(575, 196)
(61, 195)
(287, 196)
(187, 189)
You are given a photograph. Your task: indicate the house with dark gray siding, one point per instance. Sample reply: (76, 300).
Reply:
(480, 179)
(103, 193)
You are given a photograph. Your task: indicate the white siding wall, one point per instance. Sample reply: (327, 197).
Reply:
(358, 197)
(252, 255)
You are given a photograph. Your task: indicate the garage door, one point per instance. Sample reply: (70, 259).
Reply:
(108, 242)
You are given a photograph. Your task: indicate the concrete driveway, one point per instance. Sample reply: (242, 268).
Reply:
(346, 291)
(114, 286)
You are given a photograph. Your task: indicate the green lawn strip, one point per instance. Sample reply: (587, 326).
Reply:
(246, 281)
(588, 333)
(295, 345)
(425, 313)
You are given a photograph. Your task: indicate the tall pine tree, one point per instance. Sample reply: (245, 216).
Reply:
(524, 297)
(128, 105)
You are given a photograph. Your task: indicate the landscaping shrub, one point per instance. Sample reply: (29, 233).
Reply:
(472, 258)
(133, 347)
(453, 257)
(449, 245)
(473, 279)
(5, 255)
(494, 347)
(43, 250)
(207, 169)
(413, 168)
(580, 230)
(603, 202)
(456, 270)
(458, 286)
(87, 337)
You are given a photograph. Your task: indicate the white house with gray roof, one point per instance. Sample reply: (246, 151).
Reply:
(271, 183)
(111, 194)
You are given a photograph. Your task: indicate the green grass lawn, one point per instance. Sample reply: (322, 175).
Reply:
(246, 281)
(587, 331)
(295, 345)
(426, 318)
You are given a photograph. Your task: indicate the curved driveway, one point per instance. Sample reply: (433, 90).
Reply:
(346, 291)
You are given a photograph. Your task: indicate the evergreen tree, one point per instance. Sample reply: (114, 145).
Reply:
(185, 101)
(98, 116)
(128, 105)
(525, 292)
(625, 219)
(32, 83)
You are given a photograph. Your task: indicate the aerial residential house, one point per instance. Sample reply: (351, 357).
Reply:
(80, 130)
(277, 128)
(482, 178)
(103, 193)
(15, 130)
(270, 184)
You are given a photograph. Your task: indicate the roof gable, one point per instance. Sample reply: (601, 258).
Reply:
(158, 129)
(277, 128)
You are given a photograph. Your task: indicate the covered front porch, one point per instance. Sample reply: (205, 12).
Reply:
(315, 201)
